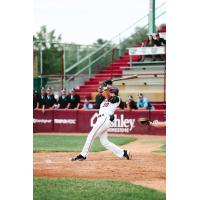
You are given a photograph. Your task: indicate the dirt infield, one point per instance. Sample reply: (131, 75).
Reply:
(146, 168)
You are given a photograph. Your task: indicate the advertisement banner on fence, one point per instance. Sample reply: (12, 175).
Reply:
(81, 121)
(43, 122)
(65, 121)
(125, 122)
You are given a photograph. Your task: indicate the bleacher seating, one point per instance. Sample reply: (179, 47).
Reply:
(150, 80)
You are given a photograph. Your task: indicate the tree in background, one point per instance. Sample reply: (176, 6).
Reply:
(135, 39)
(48, 42)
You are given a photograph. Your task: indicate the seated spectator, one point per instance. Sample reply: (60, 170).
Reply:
(74, 100)
(99, 98)
(159, 42)
(149, 42)
(63, 100)
(131, 104)
(143, 103)
(50, 100)
(87, 104)
(41, 98)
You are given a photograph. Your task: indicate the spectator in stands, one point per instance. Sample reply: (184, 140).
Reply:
(99, 98)
(131, 104)
(63, 100)
(35, 99)
(87, 104)
(41, 98)
(50, 100)
(143, 103)
(159, 42)
(149, 42)
(74, 100)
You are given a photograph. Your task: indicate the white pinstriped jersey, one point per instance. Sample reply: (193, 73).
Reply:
(108, 108)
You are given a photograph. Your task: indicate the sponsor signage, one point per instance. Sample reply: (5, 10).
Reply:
(120, 124)
(79, 121)
(42, 121)
(146, 51)
(65, 121)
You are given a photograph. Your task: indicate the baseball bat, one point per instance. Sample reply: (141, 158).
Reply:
(125, 78)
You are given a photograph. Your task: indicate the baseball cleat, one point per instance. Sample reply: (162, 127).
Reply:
(127, 155)
(79, 158)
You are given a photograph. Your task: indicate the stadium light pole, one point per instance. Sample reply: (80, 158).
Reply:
(152, 27)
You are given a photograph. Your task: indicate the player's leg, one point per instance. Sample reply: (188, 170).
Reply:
(113, 147)
(101, 125)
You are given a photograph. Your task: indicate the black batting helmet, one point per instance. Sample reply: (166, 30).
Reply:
(114, 90)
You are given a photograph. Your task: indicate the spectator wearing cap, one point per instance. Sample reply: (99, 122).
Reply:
(50, 100)
(143, 103)
(74, 100)
(131, 104)
(63, 100)
(41, 98)
(99, 98)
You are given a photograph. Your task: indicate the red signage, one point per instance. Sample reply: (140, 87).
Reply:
(82, 121)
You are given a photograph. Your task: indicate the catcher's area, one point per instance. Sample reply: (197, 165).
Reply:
(147, 168)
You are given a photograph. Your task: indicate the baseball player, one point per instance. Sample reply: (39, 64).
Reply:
(103, 123)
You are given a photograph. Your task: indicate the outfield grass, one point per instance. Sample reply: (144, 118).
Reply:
(60, 143)
(162, 149)
(82, 189)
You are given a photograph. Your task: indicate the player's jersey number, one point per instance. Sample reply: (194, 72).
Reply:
(105, 104)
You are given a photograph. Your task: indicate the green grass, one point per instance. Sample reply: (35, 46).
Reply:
(82, 189)
(162, 149)
(60, 143)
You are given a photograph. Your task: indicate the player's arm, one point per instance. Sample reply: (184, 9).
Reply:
(37, 107)
(43, 108)
(78, 99)
(106, 93)
(78, 105)
(128, 106)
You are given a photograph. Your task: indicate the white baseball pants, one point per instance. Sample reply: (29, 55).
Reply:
(100, 128)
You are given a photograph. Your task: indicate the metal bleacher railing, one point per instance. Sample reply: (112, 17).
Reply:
(93, 62)
(104, 55)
